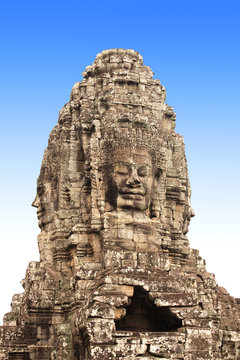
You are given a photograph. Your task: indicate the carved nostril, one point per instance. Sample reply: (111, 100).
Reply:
(133, 179)
(136, 180)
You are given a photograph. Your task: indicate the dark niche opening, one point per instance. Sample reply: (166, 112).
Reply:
(81, 346)
(143, 315)
(18, 356)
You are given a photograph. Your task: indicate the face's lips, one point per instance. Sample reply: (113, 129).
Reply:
(40, 212)
(137, 191)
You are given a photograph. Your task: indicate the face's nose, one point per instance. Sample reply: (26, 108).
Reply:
(133, 178)
(36, 202)
(192, 213)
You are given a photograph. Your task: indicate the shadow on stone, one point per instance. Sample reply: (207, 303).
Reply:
(143, 315)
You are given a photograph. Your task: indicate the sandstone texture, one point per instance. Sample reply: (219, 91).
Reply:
(117, 278)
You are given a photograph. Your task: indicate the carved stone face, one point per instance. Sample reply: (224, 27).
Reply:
(75, 92)
(188, 215)
(44, 204)
(131, 179)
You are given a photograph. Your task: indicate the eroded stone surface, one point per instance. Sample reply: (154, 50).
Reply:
(117, 278)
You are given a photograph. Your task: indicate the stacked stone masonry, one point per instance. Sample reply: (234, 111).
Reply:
(116, 277)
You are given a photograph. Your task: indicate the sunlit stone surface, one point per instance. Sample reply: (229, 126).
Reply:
(117, 278)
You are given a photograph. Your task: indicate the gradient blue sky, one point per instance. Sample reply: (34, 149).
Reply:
(194, 49)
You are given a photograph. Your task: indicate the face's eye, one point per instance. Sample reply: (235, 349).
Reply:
(40, 190)
(121, 170)
(143, 171)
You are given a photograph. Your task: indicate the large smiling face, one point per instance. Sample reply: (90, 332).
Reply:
(131, 179)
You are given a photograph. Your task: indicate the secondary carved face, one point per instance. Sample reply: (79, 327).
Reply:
(187, 216)
(44, 204)
(131, 180)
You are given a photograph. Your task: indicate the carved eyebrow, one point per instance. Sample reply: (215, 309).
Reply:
(122, 163)
(40, 187)
(144, 166)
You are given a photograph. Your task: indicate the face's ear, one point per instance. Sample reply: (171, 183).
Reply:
(155, 205)
(111, 192)
(158, 173)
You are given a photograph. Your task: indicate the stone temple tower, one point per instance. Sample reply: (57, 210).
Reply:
(117, 278)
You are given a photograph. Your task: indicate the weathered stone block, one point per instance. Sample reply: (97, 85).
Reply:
(169, 299)
(117, 300)
(100, 330)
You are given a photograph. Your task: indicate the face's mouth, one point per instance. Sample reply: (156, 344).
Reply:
(137, 191)
(40, 212)
(132, 195)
